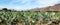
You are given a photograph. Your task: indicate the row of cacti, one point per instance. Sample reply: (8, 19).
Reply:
(28, 18)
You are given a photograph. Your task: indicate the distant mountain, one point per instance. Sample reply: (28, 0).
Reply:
(49, 8)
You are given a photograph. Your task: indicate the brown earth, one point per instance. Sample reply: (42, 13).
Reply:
(50, 8)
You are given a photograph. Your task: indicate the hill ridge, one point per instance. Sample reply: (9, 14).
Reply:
(49, 8)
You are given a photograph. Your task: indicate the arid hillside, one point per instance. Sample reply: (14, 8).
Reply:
(49, 8)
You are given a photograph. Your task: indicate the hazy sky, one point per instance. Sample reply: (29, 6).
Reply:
(26, 4)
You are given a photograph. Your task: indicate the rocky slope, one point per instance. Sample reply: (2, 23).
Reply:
(50, 8)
